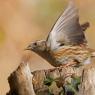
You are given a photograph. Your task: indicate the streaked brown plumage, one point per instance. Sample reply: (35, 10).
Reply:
(68, 54)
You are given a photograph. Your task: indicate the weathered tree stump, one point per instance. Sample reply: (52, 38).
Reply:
(23, 82)
(88, 80)
(20, 81)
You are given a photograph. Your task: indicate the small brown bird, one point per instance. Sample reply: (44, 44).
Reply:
(66, 43)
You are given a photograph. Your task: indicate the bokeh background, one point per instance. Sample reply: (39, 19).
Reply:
(23, 21)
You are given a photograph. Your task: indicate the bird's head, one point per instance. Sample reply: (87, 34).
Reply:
(37, 46)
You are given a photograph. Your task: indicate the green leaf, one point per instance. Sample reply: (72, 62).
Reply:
(62, 92)
(70, 90)
(50, 93)
(48, 81)
(76, 82)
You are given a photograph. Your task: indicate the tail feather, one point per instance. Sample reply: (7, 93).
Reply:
(85, 26)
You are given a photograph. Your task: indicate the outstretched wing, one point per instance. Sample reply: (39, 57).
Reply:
(67, 29)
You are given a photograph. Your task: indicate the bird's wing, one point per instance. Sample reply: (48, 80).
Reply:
(67, 28)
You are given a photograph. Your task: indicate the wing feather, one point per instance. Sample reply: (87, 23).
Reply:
(67, 29)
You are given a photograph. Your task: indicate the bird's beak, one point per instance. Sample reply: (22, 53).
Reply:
(28, 48)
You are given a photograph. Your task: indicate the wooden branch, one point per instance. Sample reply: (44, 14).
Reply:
(23, 82)
(20, 81)
(88, 81)
(40, 76)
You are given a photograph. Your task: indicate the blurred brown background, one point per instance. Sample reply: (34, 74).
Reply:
(23, 21)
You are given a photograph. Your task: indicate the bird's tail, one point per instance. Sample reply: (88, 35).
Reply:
(85, 26)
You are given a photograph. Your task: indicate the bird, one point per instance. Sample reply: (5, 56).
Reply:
(66, 42)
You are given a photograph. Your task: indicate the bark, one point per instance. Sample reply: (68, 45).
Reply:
(20, 81)
(23, 82)
(88, 81)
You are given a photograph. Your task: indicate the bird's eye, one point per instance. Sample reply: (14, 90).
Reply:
(62, 44)
(35, 44)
